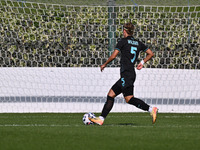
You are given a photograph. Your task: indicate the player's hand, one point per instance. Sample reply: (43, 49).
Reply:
(140, 66)
(102, 67)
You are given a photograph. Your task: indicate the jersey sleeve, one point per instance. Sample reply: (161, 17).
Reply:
(119, 45)
(144, 48)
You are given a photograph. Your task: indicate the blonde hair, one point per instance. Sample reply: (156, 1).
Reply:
(129, 27)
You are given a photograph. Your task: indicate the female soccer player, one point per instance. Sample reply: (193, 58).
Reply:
(130, 49)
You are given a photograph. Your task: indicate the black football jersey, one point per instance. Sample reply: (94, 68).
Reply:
(130, 49)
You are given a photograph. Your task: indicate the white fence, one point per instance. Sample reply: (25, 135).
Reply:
(85, 89)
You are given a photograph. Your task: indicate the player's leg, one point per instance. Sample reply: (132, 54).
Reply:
(113, 92)
(108, 104)
(130, 99)
(137, 102)
(127, 90)
(142, 105)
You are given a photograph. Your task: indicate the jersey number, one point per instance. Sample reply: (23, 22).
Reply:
(133, 51)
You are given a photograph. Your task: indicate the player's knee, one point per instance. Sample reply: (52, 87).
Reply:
(127, 98)
(111, 93)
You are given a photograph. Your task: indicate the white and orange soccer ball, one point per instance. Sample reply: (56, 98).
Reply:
(86, 117)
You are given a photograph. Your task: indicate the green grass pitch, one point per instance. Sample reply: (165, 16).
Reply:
(120, 131)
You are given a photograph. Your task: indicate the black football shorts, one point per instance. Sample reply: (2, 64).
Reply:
(125, 84)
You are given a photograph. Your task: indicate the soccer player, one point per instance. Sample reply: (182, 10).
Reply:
(130, 49)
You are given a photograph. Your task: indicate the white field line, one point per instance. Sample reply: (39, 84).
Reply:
(147, 116)
(108, 125)
(124, 116)
(35, 125)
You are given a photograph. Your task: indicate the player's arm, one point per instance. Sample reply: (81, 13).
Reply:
(111, 58)
(148, 57)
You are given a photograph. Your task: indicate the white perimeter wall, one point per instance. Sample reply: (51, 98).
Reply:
(150, 83)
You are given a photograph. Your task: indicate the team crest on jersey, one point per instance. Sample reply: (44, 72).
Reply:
(123, 81)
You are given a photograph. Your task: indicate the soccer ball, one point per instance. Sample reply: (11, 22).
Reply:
(86, 120)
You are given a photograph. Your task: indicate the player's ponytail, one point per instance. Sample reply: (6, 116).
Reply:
(129, 27)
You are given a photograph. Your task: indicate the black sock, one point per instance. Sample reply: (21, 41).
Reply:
(139, 103)
(107, 106)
